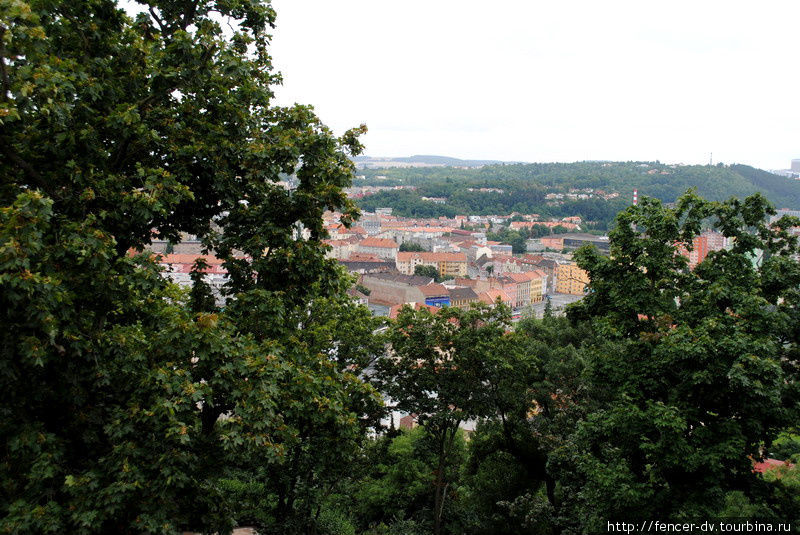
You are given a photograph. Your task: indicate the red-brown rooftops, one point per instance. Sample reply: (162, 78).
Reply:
(395, 310)
(379, 242)
(770, 464)
(433, 290)
(405, 256)
(491, 295)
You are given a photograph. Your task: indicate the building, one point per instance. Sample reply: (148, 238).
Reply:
(462, 297)
(340, 249)
(380, 247)
(447, 264)
(570, 279)
(501, 249)
(538, 285)
(358, 266)
(394, 288)
(795, 166)
(508, 286)
(552, 242)
(574, 241)
(523, 290)
(178, 269)
(436, 295)
(491, 296)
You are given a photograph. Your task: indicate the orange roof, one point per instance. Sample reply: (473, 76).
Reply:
(364, 257)
(433, 290)
(405, 256)
(426, 229)
(379, 242)
(491, 295)
(395, 310)
(336, 242)
(520, 277)
(770, 464)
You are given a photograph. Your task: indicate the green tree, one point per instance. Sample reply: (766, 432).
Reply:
(126, 401)
(411, 247)
(697, 369)
(427, 271)
(438, 369)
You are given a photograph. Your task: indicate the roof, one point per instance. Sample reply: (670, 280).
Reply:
(584, 236)
(460, 294)
(433, 290)
(426, 229)
(410, 280)
(520, 277)
(379, 242)
(395, 310)
(357, 265)
(352, 292)
(770, 464)
(492, 295)
(364, 257)
(335, 243)
(405, 256)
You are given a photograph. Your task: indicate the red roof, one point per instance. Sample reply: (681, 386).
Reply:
(431, 257)
(379, 242)
(770, 464)
(491, 295)
(395, 310)
(433, 290)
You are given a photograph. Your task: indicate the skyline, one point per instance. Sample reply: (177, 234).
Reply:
(533, 82)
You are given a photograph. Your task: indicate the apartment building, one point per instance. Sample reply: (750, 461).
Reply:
(447, 264)
(380, 247)
(570, 279)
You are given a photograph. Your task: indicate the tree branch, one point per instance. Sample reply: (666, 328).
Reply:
(157, 19)
(3, 72)
(188, 15)
(30, 172)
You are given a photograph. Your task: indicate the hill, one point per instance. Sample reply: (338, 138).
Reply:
(525, 187)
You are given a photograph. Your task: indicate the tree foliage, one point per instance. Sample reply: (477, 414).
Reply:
(698, 368)
(125, 401)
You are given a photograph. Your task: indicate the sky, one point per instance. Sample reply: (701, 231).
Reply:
(542, 81)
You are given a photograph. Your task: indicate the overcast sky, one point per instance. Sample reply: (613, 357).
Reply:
(551, 81)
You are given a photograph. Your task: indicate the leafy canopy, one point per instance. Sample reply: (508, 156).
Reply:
(123, 400)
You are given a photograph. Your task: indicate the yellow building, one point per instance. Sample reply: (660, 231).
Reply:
(452, 264)
(570, 279)
(538, 286)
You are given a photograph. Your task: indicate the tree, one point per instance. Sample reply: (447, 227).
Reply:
(427, 271)
(411, 247)
(696, 370)
(124, 400)
(438, 369)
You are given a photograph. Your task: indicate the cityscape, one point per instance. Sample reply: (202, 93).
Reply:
(570, 306)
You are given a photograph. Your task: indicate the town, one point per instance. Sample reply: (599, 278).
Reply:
(439, 262)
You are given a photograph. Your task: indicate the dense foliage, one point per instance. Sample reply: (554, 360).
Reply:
(524, 187)
(130, 405)
(125, 403)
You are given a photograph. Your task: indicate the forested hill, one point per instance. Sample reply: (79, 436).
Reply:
(526, 185)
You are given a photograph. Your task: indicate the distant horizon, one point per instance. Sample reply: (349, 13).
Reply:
(557, 82)
(498, 160)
